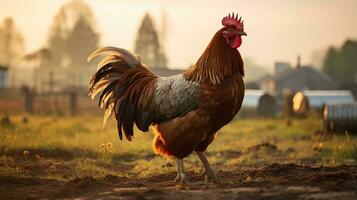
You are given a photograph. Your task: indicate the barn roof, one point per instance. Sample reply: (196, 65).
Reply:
(300, 71)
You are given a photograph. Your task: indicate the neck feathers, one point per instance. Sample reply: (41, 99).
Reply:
(216, 63)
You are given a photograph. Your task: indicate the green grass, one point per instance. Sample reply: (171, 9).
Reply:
(66, 147)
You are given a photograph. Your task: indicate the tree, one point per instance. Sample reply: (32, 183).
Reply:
(341, 64)
(347, 62)
(56, 45)
(147, 44)
(73, 16)
(329, 62)
(162, 38)
(12, 46)
(81, 42)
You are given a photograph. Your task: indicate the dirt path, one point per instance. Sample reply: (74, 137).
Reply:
(276, 181)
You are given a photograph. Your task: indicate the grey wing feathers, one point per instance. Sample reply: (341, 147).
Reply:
(130, 91)
(175, 96)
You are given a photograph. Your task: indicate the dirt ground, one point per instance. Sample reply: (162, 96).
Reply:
(75, 158)
(275, 181)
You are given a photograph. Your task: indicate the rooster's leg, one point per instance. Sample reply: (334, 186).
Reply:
(181, 178)
(208, 171)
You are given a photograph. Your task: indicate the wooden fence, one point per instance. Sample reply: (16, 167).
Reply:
(18, 101)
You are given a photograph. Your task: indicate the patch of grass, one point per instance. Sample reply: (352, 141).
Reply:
(68, 147)
(90, 167)
(339, 150)
(153, 166)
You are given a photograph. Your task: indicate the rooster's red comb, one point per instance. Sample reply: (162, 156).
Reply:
(232, 20)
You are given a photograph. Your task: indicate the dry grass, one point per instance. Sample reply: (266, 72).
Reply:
(67, 147)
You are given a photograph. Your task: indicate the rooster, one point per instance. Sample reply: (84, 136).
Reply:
(185, 110)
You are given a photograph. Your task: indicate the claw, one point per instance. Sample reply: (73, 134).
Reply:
(203, 173)
(220, 181)
(214, 179)
(208, 173)
(182, 182)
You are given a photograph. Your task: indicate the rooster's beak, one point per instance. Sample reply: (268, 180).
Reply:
(242, 33)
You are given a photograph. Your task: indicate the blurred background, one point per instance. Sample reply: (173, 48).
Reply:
(301, 82)
(293, 46)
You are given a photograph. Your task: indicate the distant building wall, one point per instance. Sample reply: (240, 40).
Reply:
(4, 77)
(20, 76)
(58, 79)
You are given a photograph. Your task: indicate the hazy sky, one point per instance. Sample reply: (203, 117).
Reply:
(277, 30)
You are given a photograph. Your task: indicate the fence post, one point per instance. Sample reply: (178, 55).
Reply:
(28, 96)
(73, 102)
(288, 107)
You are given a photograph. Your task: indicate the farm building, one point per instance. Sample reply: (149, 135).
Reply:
(58, 79)
(297, 79)
(21, 75)
(251, 98)
(306, 100)
(258, 101)
(4, 76)
(319, 98)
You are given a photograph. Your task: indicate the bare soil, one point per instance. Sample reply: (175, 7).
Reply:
(275, 181)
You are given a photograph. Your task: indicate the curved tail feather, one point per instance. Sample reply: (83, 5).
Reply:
(126, 88)
(131, 59)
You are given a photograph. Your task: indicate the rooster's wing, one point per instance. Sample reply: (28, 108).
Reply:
(133, 94)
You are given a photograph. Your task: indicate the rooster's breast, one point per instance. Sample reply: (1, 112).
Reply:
(223, 101)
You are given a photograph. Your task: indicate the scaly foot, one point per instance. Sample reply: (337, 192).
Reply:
(183, 182)
(213, 179)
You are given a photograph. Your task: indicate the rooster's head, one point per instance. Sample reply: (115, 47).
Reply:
(233, 30)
